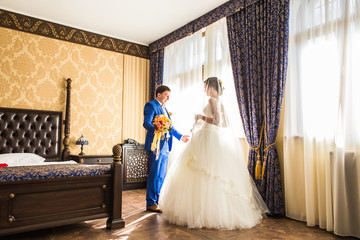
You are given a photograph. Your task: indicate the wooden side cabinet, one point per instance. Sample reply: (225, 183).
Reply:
(136, 166)
(92, 159)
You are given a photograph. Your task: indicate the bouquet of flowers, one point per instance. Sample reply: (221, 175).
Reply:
(162, 125)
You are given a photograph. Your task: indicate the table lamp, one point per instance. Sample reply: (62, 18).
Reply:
(82, 141)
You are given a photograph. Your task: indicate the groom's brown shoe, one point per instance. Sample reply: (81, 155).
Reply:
(154, 208)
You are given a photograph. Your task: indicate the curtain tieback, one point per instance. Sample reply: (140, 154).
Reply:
(265, 155)
(258, 168)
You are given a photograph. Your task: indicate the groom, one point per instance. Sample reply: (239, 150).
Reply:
(158, 167)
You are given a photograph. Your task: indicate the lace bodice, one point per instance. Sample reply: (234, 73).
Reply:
(207, 110)
(215, 110)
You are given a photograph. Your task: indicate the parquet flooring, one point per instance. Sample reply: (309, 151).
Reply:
(141, 224)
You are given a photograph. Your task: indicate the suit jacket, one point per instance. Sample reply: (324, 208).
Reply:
(151, 110)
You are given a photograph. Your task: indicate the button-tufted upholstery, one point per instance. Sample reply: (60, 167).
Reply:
(30, 131)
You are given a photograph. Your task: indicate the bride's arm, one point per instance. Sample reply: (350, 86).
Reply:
(214, 111)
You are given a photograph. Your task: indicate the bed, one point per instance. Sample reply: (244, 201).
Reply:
(39, 195)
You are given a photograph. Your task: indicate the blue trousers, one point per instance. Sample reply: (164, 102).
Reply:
(157, 173)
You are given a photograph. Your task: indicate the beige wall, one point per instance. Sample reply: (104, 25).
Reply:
(33, 70)
(135, 95)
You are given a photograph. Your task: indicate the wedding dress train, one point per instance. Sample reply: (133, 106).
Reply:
(209, 184)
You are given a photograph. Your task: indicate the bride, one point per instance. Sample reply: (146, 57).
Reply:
(209, 185)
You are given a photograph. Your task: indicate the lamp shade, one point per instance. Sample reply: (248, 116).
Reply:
(82, 141)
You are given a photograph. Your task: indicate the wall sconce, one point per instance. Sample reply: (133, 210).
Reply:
(82, 141)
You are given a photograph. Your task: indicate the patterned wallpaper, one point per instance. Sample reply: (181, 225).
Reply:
(33, 73)
(45, 28)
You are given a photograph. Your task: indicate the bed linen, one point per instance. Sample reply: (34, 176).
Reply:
(36, 172)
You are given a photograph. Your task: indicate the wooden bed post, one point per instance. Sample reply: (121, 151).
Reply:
(115, 220)
(66, 141)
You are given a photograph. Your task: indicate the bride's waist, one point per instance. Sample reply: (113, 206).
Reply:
(205, 125)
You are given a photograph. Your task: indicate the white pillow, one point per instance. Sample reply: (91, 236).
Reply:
(18, 159)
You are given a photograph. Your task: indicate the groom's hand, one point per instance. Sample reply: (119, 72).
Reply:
(185, 138)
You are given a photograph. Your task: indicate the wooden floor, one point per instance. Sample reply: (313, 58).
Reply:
(141, 224)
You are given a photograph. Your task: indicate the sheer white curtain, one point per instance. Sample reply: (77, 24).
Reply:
(183, 64)
(217, 63)
(322, 115)
(182, 73)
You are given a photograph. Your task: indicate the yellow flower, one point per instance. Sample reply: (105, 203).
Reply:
(162, 125)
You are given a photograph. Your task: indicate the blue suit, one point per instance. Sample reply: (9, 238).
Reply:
(157, 168)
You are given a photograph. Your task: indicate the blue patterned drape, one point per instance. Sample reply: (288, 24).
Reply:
(156, 71)
(224, 10)
(258, 39)
(157, 47)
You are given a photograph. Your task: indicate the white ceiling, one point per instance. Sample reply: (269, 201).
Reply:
(138, 21)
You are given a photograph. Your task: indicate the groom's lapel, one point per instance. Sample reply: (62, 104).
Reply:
(159, 106)
(167, 113)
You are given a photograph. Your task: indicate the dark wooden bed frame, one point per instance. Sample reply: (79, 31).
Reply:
(37, 204)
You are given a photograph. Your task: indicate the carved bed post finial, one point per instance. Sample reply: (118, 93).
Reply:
(117, 154)
(115, 219)
(66, 141)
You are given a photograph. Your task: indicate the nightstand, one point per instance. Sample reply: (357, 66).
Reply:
(92, 159)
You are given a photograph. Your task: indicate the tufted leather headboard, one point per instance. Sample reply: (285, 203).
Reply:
(31, 131)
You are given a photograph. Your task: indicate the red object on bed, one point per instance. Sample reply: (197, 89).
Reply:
(3, 165)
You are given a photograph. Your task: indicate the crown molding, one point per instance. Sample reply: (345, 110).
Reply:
(44, 28)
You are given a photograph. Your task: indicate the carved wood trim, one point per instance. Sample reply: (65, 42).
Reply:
(115, 219)
(66, 141)
(117, 151)
(45, 28)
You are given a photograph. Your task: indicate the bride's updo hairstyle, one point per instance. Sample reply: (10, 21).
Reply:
(215, 83)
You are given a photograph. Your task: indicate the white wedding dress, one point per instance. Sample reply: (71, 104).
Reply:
(209, 185)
